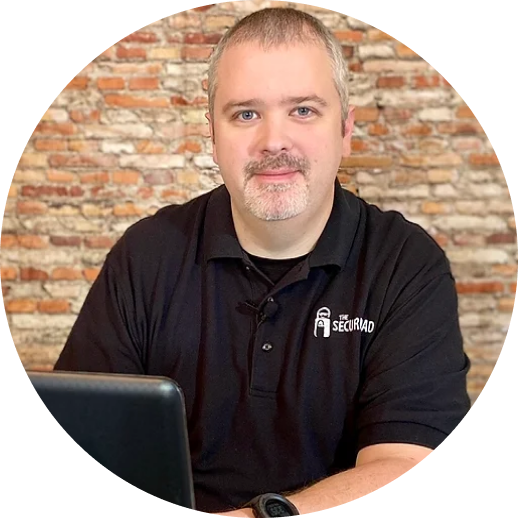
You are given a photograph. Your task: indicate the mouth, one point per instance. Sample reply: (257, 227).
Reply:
(277, 174)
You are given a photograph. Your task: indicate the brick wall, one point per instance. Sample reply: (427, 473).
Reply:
(128, 135)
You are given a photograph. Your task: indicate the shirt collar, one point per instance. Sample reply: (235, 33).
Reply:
(332, 248)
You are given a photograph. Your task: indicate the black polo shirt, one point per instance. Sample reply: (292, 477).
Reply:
(284, 383)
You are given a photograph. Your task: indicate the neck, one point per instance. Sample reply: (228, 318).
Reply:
(283, 239)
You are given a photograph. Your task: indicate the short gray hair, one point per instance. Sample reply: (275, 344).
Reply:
(273, 27)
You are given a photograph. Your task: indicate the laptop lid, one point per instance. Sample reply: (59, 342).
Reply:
(135, 426)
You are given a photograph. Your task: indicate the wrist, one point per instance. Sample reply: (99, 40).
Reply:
(272, 505)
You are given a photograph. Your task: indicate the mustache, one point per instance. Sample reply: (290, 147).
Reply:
(277, 162)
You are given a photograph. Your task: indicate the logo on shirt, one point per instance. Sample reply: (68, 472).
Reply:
(324, 325)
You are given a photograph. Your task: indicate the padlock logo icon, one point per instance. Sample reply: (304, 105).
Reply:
(323, 322)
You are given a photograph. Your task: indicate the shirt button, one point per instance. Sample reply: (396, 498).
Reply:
(267, 347)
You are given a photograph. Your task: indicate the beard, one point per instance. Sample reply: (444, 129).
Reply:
(277, 201)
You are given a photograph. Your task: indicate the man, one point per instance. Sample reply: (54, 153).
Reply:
(316, 338)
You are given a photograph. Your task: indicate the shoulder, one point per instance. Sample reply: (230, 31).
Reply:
(396, 240)
(164, 235)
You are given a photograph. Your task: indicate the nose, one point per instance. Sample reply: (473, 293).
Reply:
(273, 136)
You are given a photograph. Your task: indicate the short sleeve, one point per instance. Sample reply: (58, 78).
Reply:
(104, 337)
(413, 387)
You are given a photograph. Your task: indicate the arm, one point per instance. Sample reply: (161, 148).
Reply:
(413, 387)
(106, 336)
(377, 467)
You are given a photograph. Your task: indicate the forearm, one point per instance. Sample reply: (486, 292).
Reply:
(345, 486)
(349, 485)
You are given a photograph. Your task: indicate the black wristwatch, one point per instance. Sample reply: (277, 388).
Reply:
(271, 505)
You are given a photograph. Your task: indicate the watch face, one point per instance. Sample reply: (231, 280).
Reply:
(277, 508)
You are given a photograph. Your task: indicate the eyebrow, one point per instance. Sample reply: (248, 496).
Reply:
(251, 103)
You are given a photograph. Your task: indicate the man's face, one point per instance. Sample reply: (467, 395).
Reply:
(277, 129)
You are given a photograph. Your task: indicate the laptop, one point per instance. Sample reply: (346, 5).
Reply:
(135, 426)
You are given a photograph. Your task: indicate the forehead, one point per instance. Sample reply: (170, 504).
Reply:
(250, 71)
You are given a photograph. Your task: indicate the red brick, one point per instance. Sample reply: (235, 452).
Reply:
(366, 114)
(178, 100)
(74, 241)
(390, 82)
(355, 67)
(9, 241)
(176, 194)
(54, 306)
(467, 239)
(144, 193)
(96, 177)
(404, 52)
(397, 114)
(506, 305)
(433, 207)
(480, 287)
(83, 146)
(141, 37)
(78, 83)
(377, 35)
(148, 147)
(198, 38)
(359, 146)
(85, 115)
(32, 242)
(8, 273)
(33, 191)
(460, 128)
(144, 83)
(131, 52)
(376, 130)
(484, 160)
(20, 306)
(507, 270)
(368, 162)
(90, 274)
(501, 238)
(127, 209)
(196, 53)
(463, 112)
(33, 274)
(55, 128)
(75, 191)
(203, 8)
(31, 207)
(174, 38)
(126, 177)
(347, 51)
(53, 175)
(512, 287)
(189, 146)
(99, 242)
(417, 130)
(354, 36)
(110, 83)
(441, 239)
(427, 81)
(66, 274)
(78, 160)
(50, 145)
(131, 101)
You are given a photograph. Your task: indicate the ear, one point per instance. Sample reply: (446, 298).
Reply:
(211, 132)
(348, 132)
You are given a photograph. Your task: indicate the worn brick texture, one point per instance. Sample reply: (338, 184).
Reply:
(128, 136)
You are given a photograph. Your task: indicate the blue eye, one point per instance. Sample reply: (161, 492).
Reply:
(303, 108)
(248, 111)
